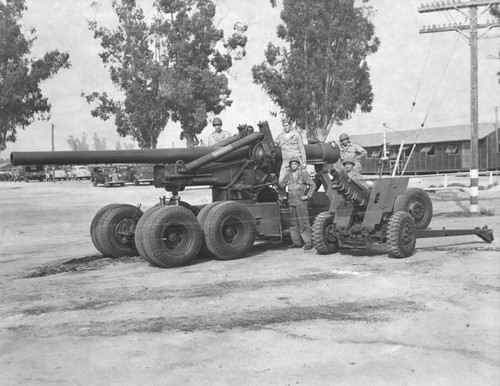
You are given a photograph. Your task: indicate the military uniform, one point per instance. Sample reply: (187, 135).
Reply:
(299, 184)
(292, 146)
(354, 151)
(216, 137)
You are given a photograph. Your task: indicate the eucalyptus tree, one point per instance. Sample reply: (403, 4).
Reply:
(21, 99)
(319, 75)
(172, 68)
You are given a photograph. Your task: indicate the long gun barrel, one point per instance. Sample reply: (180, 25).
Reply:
(317, 153)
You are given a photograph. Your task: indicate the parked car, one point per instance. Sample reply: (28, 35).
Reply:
(80, 172)
(57, 173)
(122, 171)
(34, 172)
(141, 173)
(5, 176)
(107, 175)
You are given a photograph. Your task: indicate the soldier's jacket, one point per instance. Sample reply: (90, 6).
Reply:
(216, 137)
(299, 185)
(355, 151)
(292, 146)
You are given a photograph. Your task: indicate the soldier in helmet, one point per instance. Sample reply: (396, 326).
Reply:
(218, 135)
(300, 189)
(351, 150)
(291, 145)
(348, 164)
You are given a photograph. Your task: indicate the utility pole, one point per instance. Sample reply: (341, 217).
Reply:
(458, 5)
(52, 136)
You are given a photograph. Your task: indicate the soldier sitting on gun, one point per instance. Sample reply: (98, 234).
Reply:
(354, 174)
(218, 135)
(350, 170)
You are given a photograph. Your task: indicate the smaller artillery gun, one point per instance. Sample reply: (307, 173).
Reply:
(246, 203)
(388, 213)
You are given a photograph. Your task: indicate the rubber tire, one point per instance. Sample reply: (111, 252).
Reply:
(106, 231)
(140, 234)
(202, 216)
(322, 241)
(136, 182)
(418, 199)
(95, 221)
(94, 182)
(122, 184)
(106, 184)
(401, 235)
(152, 234)
(245, 235)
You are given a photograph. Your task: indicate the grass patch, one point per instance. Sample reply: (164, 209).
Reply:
(467, 213)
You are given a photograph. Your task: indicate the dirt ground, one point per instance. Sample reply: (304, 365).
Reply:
(278, 316)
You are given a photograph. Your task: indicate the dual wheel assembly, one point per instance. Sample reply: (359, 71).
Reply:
(171, 236)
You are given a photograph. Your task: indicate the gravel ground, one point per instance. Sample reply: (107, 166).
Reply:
(278, 316)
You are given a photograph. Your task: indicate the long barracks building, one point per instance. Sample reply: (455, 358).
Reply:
(437, 150)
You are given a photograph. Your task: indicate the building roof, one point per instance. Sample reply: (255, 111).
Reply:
(431, 135)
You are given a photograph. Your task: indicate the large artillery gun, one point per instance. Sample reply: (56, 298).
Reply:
(247, 203)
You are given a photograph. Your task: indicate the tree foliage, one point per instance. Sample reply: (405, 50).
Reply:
(21, 100)
(78, 144)
(99, 142)
(319, 76)
(172, 68)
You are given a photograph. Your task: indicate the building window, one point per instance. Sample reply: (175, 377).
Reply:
(452, 149)
(376, 153)
(428, 149)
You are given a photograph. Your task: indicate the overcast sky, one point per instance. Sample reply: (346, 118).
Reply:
(408, 65)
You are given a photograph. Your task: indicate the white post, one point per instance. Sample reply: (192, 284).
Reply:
(491, 178)
(384, 151)
(445, 184)
(396, 165)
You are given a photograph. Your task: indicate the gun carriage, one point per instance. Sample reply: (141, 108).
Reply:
(247, 204)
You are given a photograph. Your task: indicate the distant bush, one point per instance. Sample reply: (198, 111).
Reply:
(457, 184)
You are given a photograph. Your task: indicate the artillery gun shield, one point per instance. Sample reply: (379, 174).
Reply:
(115, 231)
(171, 236)
(229, 230)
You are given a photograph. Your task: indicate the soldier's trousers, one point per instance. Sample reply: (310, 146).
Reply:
(300, 227)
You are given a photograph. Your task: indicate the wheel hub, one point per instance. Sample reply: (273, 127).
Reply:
(124, 231)
(174, 236)
(417, 210)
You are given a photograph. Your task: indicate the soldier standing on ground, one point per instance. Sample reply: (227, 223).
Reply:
(300, 189)
(292, 146)
(351, 150)
(218, 135)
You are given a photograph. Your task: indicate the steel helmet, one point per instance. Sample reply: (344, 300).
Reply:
(348, 160)
(343, 136)
(216, 121)
(294, 159)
